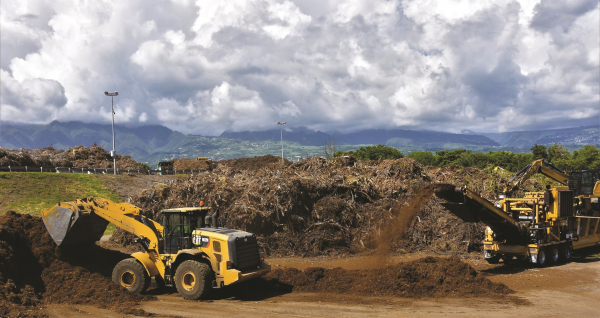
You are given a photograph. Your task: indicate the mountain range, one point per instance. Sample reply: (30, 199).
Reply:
(394, 137)
(585, 135)
(153, 143)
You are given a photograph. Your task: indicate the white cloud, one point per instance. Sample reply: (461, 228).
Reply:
(208, 66)
(36, 99)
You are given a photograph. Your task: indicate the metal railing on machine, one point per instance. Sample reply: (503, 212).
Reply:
(94, 170)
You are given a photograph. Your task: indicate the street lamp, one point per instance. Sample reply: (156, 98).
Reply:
(281, 124)
(113, 153)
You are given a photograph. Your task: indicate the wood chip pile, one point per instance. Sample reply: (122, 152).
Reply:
(323, 207)
(76, 157)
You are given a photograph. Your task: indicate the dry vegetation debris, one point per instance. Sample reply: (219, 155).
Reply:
(324, 207)
(192, 164)
(76, 157)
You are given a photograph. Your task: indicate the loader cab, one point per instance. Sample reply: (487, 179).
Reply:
(582, 182)
(178, 227)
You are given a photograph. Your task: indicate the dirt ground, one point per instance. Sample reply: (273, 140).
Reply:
(567, 290)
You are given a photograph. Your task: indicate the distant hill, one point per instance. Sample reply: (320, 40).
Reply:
(301, 135)
(154, 143)
(585, 135)
(136, 142)
(394, 138)
(425, 138)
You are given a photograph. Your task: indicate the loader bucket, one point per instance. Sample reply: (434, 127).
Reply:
(68, 226)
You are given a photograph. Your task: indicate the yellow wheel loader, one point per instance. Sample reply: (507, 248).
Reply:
(185, 250)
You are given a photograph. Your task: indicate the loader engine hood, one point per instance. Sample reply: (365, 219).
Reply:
(242, 246)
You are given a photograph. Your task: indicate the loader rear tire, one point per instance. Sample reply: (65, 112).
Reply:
(192, 279)
(130, 274)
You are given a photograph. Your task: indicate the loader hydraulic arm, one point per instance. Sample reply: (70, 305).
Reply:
(85, 220)
(538, 166)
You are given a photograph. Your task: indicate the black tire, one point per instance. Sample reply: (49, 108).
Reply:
(554, 254)
(130, 274)
(566, 253)
(508, 260)
(493, 260)
(541, 258)
(193, 279)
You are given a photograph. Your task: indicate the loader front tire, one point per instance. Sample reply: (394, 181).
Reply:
(193, 279)
(130, 274)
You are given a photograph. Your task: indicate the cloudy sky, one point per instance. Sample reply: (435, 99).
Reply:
(203, 67)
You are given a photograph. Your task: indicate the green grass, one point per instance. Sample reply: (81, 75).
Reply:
(32, 192)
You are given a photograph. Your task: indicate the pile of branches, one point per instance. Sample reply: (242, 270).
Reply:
(192, 164)
(76, 157)
(323, 207)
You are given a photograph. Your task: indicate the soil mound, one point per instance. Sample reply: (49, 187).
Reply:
(426, 277)
(33, 271)
(76, 157)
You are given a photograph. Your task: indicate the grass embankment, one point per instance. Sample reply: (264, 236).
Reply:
(32, 192)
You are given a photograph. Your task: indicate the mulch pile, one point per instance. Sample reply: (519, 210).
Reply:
(427, 277)
(77, 157)
(252, 164)
(193, 164)
(327, 207)
(34, 272)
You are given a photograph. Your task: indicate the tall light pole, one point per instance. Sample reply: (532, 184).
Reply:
(113, 153)
(281, 124)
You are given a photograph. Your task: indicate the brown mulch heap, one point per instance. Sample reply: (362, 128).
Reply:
(192, 164)
(34, 272)
(427, 277)
(253, 164)
(77, 157)
(328, 207)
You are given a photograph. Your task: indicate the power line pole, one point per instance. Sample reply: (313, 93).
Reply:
(113, 153)
(281, 124)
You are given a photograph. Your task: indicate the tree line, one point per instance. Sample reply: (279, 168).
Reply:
(587, 157)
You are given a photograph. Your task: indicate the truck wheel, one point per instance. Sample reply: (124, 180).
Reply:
(554, 255)
(541, 258)
(192, 279)
(508, 260)
(130, 274)
(566, 253)
(493, 260)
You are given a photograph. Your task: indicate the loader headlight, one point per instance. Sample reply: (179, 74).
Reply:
(498, 204)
